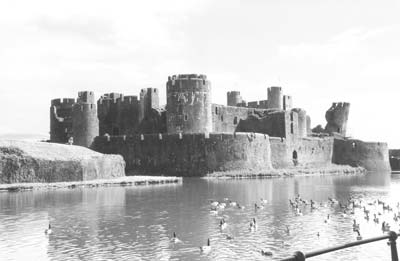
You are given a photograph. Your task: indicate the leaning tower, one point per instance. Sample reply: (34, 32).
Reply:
(188, 104)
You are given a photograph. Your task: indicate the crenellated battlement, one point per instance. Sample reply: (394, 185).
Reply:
(64, 101)
(187, 77)
(85, 97)
(117, 98)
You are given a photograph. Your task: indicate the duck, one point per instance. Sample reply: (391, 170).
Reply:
(221, 206)
(48, 231)
(376, 220)
(232, 203)
(240, 206)
(358, 235)
(263, 201)
(328, 218)
(385, 226)
(298, 212)
(253, 225)
(344, 214)
(213, 211)
(257, 206)
(207, 248)
(223, 225)
(287, 230)
(214, 203)
(175, 239)
(266, 253)
(229, 237)
(355, 225)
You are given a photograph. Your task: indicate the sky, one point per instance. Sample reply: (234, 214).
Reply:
(319, 52)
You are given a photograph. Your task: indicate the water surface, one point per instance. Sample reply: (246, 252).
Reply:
(136, 223)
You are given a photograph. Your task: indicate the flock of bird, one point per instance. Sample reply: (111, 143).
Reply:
(377, 209)
(380, 210)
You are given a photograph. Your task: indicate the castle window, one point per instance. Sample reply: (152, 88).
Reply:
(291, 128)
(185, 117)
(180, 109)
(291, 117)
(222, 117)
(216, 110)
(235, 120)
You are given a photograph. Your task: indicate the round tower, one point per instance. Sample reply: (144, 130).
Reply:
(234, 98)
(275, 98)
(301, 122)
(85, 123)
(188, 104)
(61, 120)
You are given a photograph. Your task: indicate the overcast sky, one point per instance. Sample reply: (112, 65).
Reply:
(318, 51)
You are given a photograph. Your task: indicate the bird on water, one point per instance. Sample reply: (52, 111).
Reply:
(48, 231)
(206, 248)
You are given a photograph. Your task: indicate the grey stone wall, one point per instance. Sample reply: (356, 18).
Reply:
(46, 162)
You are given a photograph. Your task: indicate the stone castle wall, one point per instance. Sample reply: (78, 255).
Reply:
(370, 155)
(199, 154)
(311, 152)
(189, 154)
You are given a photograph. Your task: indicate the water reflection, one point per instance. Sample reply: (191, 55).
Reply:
(136, 223)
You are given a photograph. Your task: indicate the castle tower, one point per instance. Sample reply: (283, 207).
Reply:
(107, 112)
(234, 98)
(308, 125)
(275, 98)
(85, 123)
(61, 120)
(149, 100)
(287, 102)
(189, 104)
(337, 117)
(301, 122)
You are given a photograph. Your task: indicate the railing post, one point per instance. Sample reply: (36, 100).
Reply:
(299, 256)
(392, 242)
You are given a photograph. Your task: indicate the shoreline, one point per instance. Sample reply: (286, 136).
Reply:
(289, 172)
(120, 181)
(141, 180)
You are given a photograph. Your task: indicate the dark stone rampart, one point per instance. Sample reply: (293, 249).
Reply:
(189, 154)
(370, 155)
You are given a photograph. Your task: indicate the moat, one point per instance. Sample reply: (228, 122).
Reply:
(137, 223)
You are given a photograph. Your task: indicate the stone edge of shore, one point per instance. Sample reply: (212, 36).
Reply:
(291, 172)
(121, 181)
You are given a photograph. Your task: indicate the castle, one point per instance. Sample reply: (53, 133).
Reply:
(191, 136)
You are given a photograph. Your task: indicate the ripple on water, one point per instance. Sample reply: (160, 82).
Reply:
(137, 224)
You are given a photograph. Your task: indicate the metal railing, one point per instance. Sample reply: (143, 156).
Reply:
(392, 236)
